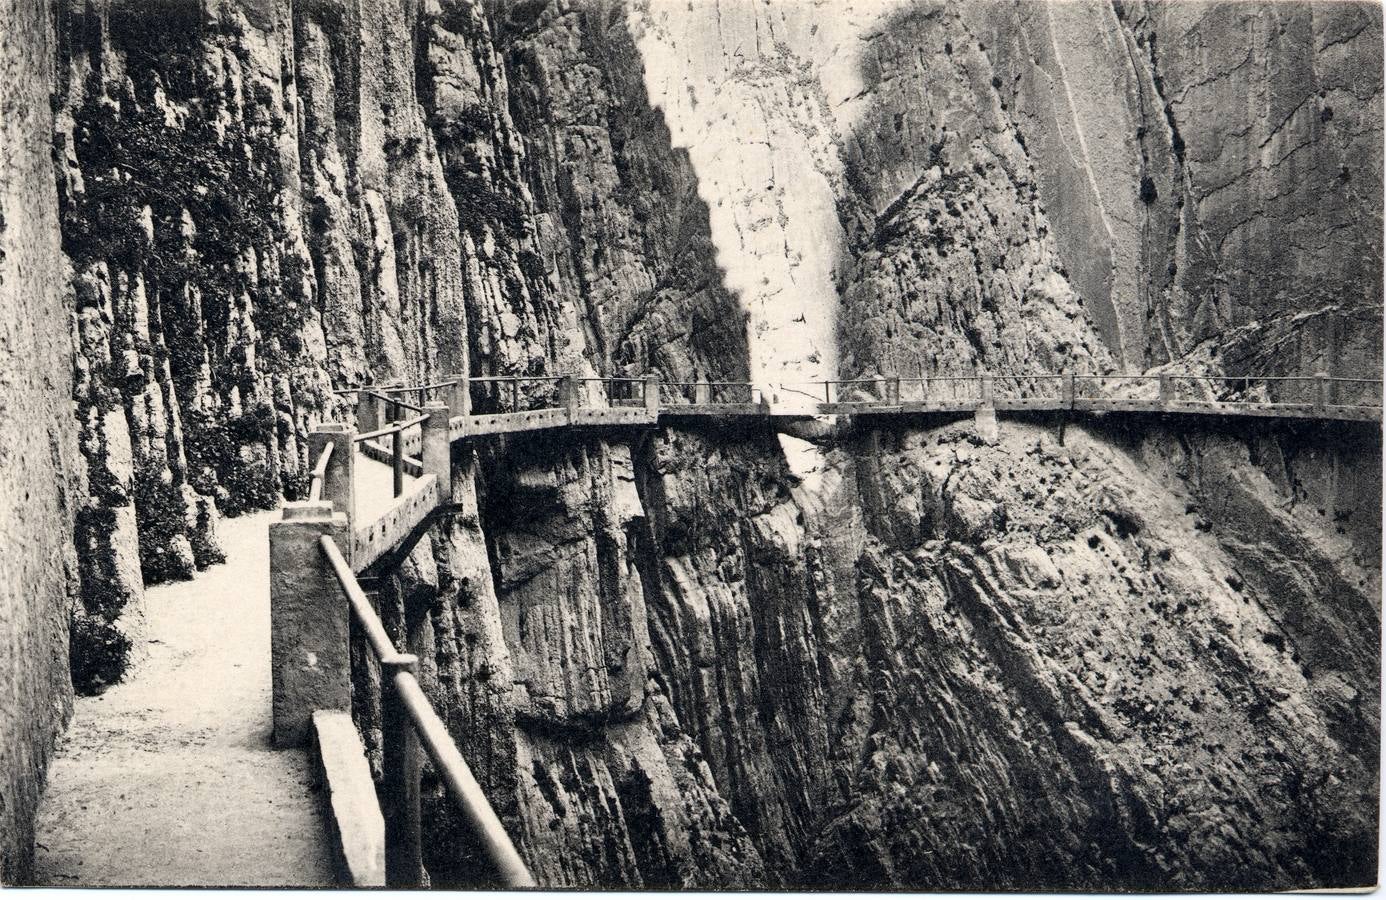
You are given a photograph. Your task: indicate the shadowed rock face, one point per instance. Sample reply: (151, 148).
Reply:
(1078, 658)
(39, 467)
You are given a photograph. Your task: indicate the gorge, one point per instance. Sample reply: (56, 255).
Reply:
(1088, 654)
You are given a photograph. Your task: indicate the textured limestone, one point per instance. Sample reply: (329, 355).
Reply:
(38, 439)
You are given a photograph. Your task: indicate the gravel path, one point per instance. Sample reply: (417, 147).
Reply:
(168, 778)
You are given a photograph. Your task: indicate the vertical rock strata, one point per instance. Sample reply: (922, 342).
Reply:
(1073, 657)
(39, 464)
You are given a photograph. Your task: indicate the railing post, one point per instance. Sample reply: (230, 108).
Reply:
(702, 392)
(988, 391)
(367, 412)
(882, 388)
(309, 627)
(399, 787)
(459, 400)
(397, 460)
(1068, 391)
(436, 448)
(652, 397)
(568, 395)
(338, 483)
(895, 391)
(1323, 396)
(1166, 390)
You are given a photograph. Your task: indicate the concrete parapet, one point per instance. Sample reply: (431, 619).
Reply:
(309, 620)
(354, 820)
(436, 453)
(338, 483)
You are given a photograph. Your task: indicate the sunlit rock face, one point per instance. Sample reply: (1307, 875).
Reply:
(1060, 657)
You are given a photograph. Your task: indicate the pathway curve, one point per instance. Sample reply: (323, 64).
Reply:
(168, 778)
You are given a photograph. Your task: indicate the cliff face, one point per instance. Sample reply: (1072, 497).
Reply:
(37, 439)
(1068, 657)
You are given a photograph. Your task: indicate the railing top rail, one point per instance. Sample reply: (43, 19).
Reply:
(433, 734)
(407, 388)
(711, 383)
(508, 378)
(486, 826)
(640, 379)
(320, 472)
(360, 604)
(390, 429)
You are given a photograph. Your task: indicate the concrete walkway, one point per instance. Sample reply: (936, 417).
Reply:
(168, 778)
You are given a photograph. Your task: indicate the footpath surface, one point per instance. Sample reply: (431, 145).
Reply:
(169, 778)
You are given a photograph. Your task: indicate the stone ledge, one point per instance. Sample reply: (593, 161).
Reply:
(355, 825)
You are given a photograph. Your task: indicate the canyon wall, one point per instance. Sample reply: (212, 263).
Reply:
(37, 437)
(1070, 656)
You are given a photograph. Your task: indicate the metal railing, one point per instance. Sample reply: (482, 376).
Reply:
(320, 473)
(717, 393)
(409, 721)
(397, 430)
(503, 394)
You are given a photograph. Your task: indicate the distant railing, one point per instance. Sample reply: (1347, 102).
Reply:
(320, 472)
(397, 456)
(408, 720)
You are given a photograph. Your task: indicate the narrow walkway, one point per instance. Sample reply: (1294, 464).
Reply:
(168, 778)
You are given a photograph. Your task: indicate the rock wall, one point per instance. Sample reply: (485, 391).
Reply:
(38, 458)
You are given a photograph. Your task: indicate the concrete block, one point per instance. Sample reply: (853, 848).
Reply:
(309, 620)
(354, 821)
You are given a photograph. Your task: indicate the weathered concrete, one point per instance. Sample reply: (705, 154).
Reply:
(169, 778)
(309, 643)
(352, 811)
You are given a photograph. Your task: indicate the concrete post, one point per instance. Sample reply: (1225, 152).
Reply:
(459, 396)
(399, 788)
(568, 394)
(652, 397)
(367, 412)
(459, 399)
(1068, 391)
(895, 391)
(338, 484)
(702, 393)
(1323, 397)
(988, 391)
(882, 387)
(1166, 390)
(309, 621)
(437, 448)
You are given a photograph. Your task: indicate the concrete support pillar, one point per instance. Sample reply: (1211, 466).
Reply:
(1166, 390)
(1068, 391)
(568, 393)
(1323, 395)
(458, 396)
(309, 621)
(988, 391)
(702, 392)
(338, 484)
(652, 397)
(436, 451)
(367, 412)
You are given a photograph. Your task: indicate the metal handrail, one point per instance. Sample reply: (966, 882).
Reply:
(390, 429)
(403, 863)
(320, 472)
